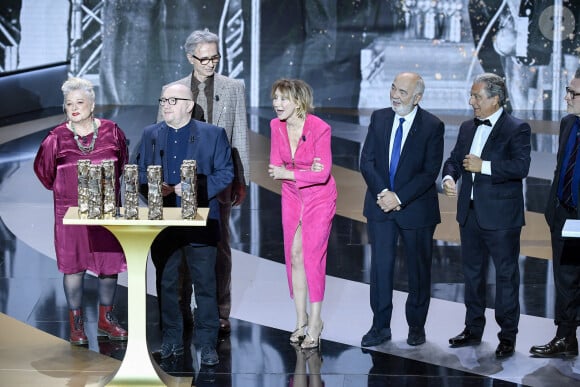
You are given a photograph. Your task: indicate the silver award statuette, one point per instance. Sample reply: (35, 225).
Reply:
(188, 189)
(109, 197)
(154, 196)
(131, 179)
(83, 187)
(95, 191)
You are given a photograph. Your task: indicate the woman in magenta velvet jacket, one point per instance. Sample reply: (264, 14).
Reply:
(82, 248)
(301, 158)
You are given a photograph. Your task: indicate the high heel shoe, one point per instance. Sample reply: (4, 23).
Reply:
(311, 342)
(298, 335)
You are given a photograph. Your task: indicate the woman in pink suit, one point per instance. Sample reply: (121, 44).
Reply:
(82, 248)
(300, 156)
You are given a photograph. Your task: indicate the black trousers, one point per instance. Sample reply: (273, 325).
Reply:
(566, 267)
(477, 245)
(418, 245)
(201, 263)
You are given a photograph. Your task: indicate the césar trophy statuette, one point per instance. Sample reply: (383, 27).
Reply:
(83, 187)
(188, 189)
(109, 197)
(154, 196)
(131, 179)
(95, 191)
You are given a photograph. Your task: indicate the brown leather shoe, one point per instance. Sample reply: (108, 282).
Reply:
(558, 347)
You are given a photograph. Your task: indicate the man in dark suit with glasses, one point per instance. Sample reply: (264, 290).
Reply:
(563, 205)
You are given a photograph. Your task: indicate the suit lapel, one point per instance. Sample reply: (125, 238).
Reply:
(194, 142)
(470, 136)
(388, 129)
(496, 129)
(494, 133)
(219, 90)
(412, 132)
(162, 146)
(564, 139)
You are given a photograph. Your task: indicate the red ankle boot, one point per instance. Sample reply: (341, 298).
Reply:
(108, 324)
(77, 329)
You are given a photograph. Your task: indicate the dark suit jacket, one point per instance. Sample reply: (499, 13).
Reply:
(417, 170)
(498, 199)
(566, 126)
(210, 147)
(229, 112)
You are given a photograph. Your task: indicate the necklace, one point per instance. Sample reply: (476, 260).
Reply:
(83, 148)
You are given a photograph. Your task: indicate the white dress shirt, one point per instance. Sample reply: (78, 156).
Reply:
(409, 118)
(482, 133)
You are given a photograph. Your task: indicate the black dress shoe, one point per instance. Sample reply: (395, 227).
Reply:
(375, 337)
(464, 339)
(558, 347)
(416, 336)
(504, 349)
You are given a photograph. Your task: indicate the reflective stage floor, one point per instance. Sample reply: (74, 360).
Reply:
(34, 347)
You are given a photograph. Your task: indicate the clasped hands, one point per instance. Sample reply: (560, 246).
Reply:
(388, 201)
(281, 173)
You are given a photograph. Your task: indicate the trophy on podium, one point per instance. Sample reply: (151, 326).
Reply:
(188, 189)
(109, 200)
(95, 191)
(83, 187)
(131, 179)
(154, 197)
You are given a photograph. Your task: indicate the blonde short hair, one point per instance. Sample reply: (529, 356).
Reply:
(298, 92)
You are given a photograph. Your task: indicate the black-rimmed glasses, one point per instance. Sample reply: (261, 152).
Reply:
(214, 59)
(572, 93)
(171, 101)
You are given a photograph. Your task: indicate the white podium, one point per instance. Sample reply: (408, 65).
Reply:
(136, 237)
(571, 228)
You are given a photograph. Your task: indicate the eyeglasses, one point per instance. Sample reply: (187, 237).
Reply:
(171, 101)
(571, 93)
(214, 59)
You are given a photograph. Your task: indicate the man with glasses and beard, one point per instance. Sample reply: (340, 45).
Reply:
(400, 161)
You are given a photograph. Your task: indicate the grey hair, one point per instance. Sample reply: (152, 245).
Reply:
(419, 86)
(74, 83)
(494, 85)
(577, 74)
(199, 37)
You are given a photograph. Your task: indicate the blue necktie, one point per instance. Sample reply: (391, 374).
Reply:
(396, 152)
(567, 196)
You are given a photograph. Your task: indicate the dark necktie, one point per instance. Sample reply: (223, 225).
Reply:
(396, 152)
(569, 175)
(201, 99)
(481, 122)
